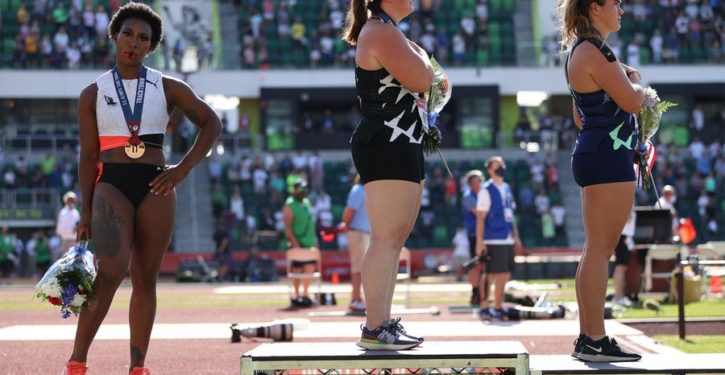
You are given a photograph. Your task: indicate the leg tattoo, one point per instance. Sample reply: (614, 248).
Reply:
(106, 228)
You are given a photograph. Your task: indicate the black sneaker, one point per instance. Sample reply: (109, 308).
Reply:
(385, 337)
(605, 350)
(578, 345)
(395, 324)
(475, 297)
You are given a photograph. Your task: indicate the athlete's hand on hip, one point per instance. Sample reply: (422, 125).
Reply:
(165, 183)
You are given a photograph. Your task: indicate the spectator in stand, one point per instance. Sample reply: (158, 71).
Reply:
(656, 43)
(222, 252)
(7, 254)
(43, 255)
(219, 201)
(60, 15)
(558, 213)
(67, 222)
(236, 205)
(542, 202)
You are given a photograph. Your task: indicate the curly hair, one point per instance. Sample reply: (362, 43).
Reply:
(140, 11)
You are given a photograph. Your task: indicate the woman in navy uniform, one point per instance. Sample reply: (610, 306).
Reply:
(606, 95)
(390, 75)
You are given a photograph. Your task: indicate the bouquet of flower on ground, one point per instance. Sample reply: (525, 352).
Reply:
(437, 98)
(648, 122)
(68, 283)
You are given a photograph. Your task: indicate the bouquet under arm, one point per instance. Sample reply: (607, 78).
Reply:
(437, 98)
(648, 122)
(68, 283)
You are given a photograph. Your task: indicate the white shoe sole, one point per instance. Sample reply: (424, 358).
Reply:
(376, 346)
(605, 358)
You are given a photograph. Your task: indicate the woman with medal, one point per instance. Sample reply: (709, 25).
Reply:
(127, 189)
(391, 74)
(606, 95)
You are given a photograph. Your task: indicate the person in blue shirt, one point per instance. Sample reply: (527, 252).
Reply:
(496, 235)
(468, 204)
(355, 223)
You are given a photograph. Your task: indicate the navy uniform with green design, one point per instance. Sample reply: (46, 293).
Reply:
(604, 148)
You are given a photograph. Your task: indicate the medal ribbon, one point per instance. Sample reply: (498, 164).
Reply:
(133, 120)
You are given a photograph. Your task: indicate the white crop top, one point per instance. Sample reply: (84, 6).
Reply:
(109, 115)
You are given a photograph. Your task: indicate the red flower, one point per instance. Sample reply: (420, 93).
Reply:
(55, 300)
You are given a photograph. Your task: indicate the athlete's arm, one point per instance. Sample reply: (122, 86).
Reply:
(90, 156)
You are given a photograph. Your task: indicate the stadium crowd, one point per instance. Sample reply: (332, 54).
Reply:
(455, 32)
(663, 32)
(71, 34)
(60, 34)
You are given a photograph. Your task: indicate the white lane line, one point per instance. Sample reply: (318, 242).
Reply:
(315, 330)
(337, 288)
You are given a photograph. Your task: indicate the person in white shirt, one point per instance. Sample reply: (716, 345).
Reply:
(667, 201)
(68, 219)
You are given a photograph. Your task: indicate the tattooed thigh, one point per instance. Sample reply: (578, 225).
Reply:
(107, 227)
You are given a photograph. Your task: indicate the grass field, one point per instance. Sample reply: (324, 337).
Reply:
(695, 344)
(707, 308)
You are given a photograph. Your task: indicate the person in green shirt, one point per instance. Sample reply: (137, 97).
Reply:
(299, 228)
(43, 257)
(7, 245)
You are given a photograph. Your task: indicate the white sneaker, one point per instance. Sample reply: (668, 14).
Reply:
(358, 306)
(624, 301)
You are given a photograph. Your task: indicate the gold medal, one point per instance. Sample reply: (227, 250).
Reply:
(135, 151)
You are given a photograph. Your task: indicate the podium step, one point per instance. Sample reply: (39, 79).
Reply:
(649, 364)
(276, 357)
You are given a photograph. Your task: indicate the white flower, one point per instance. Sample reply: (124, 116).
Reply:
(650, 97)
(51, 288)
(78, 300)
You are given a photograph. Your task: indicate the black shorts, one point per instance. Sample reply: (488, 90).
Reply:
(502, 258)
(131, 179)
(379, 159)
(301, 263)
(621, 252)
(592, 168)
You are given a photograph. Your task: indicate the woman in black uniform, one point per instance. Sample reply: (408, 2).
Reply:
(606, 95)
(391, 74)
